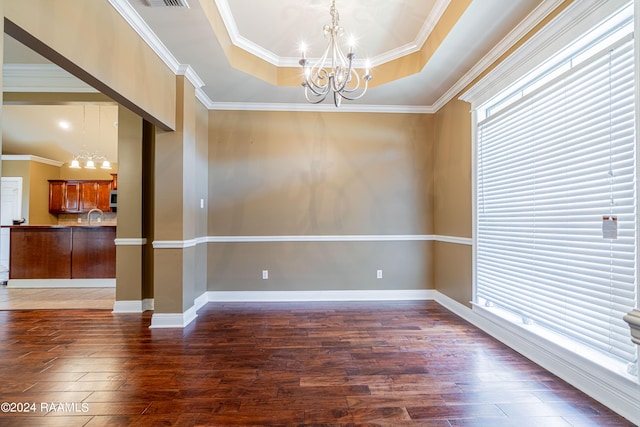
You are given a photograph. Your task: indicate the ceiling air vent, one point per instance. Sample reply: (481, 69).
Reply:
(168, 3)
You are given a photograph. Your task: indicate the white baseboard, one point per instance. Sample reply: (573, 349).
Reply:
(454, 306)
(61, 283)
(180, 320)
(302, 296)
(173, 320)
(134, 306)
(201, 301)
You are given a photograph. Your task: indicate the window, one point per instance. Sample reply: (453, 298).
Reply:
(556, 197)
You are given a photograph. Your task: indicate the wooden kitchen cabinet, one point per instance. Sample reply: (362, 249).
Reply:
(93, 254)
(40, 253)
(79, 196)
(61, 252)
(57, 199)
(88, 196)
(72, 197)
(104, 195)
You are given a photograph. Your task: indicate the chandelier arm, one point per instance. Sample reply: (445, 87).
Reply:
(355, 98)
(321, 96)
(315, 92)
(316, 74)
(348, 76)
(316, 88)
(354, 87)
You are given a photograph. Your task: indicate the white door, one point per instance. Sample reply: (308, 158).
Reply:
(11, 208)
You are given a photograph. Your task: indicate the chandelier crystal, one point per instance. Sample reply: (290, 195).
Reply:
(333, 72)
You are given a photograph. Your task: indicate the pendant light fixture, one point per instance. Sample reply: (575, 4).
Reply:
(86, 158)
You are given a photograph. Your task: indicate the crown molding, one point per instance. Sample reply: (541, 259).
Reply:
(421, 38)
(28, 157)
(508, 70)
(242, 42)
(151, 39)
(137, 23)
(317, 108)
(255, 49)
(524, 27)
(41, 78)
(534, 18)
(191, 75)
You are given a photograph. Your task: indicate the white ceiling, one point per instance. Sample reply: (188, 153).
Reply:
(36, 130)
(273, 29)
(381, 26)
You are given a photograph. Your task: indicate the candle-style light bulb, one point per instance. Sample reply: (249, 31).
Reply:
(303, 50)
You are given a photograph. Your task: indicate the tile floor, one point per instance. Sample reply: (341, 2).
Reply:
(58, 298)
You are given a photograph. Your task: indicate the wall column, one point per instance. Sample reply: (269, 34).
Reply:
(1, 76)
(175, 218)
(130, 238)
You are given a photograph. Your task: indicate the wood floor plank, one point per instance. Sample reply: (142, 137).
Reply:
(375, 363)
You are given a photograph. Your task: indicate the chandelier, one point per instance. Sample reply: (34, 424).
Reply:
(87, 158)
(333, 72)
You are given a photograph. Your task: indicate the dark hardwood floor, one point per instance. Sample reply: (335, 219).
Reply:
(374, 363)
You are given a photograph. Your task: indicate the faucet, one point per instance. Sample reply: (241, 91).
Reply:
(92, 211)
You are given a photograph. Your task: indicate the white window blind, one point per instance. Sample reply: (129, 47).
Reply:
(550, 166)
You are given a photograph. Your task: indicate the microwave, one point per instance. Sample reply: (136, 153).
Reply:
(113, 199)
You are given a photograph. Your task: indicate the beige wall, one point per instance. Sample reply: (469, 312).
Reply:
(452, 213)
(312, 266)
(129, 258)
(201, 193)
(35, 188)
(273, 173)
(41, 173)
(452, 170)
(177, 212)
(281, 174)
(130, 174)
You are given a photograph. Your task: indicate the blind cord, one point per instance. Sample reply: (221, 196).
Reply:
(612, 201)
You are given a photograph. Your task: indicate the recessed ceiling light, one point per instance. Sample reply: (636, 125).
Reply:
(64, 124)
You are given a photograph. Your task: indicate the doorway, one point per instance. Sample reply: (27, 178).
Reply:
(11, 209)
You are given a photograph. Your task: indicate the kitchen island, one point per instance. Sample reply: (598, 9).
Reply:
(60, 255)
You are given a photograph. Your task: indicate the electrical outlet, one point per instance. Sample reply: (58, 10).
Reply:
(379, 274)
(265, 274)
